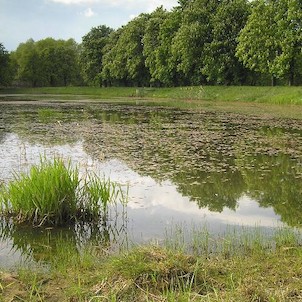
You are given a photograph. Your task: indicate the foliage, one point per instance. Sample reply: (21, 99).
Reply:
(151, 41)
(220, 64)
(166, 70)
(113, 66)
(124, 62)
(48, 62)
(6, 67)
(92, 54)
(270, 42)
(28, 63)
(52, 193)
(188, 45)
(228, 42)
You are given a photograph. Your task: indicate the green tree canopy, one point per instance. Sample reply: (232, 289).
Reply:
(270, 42)
(188, 46)
(92, 54)
(124, 61)
(114, 66)
(159, 34)
(151, 41)
(6, 67)
(197, 42)
(221, 66)
(48, 62)
(28, 62)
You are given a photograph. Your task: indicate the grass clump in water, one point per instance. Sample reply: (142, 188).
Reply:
(53, 193)
(96, 190)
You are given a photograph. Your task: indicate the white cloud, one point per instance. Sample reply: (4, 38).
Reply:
(144, 5)
(152, 5)
(89, 12)
(75, 1)
(133, 16)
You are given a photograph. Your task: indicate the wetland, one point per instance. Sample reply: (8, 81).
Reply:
(182, 169)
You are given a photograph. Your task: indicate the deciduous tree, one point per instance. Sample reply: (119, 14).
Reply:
(271, 40)
(92, 54)
(195, 32)
(48, 62)
(221, 66)
(6, 67)
(124, 60)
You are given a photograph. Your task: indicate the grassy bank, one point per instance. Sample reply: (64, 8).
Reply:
(281, 102)
(251, 271)
(260, 94)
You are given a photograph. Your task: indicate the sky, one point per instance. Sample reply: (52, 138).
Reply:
(21, 20)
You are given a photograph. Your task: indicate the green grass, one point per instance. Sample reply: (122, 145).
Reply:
(98, 194)
(281, 101)
(53, 193)
(258, 94)
(162, 273)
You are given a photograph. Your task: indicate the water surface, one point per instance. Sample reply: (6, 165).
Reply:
(182, 167)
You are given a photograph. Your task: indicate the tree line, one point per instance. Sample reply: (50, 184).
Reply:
(216, 42)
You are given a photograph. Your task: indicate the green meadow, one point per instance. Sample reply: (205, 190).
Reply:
(256, 94)
(280, 101)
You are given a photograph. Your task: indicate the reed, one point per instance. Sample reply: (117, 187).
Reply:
(53, 193)
(98, 193)
(46, 195)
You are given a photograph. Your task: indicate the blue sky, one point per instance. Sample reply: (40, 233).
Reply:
(21, 20)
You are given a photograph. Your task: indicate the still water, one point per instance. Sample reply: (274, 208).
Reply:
(181, 168)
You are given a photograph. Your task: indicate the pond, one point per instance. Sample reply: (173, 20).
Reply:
(182, 169)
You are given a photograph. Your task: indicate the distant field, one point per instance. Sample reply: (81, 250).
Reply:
(260, 94)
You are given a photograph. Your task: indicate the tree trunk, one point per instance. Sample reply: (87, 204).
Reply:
(291, 74)
(291, 80)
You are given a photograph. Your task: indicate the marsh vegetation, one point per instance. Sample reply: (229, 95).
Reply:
(54, 194)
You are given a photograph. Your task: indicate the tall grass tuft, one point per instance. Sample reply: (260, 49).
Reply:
(97, 195)
(53, 193)
(47, 194)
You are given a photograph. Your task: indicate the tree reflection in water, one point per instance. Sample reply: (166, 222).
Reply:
(213, 158)
(43, 245)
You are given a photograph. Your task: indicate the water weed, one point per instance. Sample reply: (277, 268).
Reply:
(47, 115)
(47, 194)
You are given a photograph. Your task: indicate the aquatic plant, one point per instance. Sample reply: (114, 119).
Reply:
(97, 194)
(49, 115)
(53, 193)
(47, 193)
